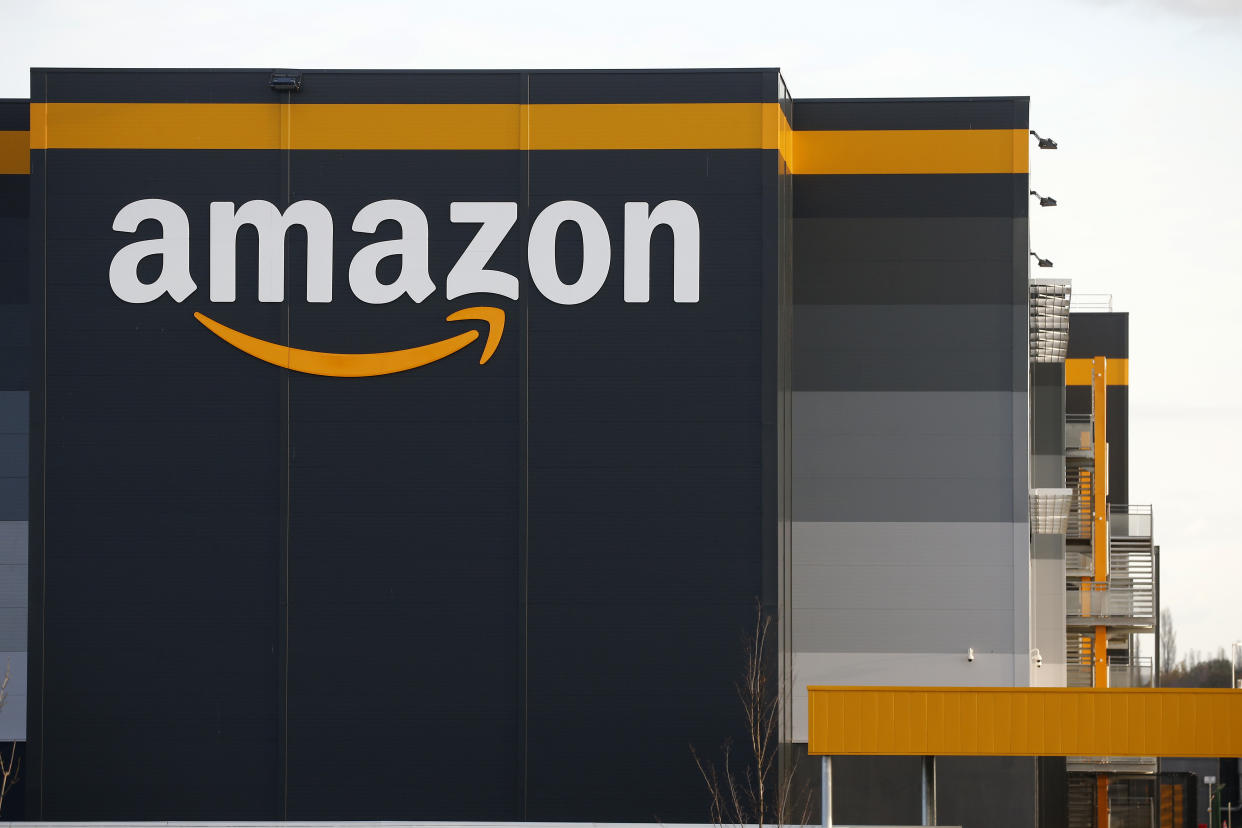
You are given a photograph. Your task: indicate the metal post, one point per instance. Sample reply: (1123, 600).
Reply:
(929, 790)
(825, 791)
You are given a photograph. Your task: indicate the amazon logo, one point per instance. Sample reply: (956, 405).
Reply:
(469, 275)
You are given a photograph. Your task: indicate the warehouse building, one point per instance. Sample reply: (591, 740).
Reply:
(14, 427)
(418, 445)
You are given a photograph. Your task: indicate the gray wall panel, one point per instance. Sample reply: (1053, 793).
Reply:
(972, 792)
(14, 455)
(14, 542)
(1048, 471)
(924, 589)
(876, 790)
(902, 413)
(1048, 606)
(931, 586)
(986, 791)
(907, 456)
(14, 412)
(885, 629)
(13, 585)
(949, 544)
(13, 628)
(905, 348)
(14, 498)
(904, 327)
(981, 457)
(901, 239)
(901, 281)
(13, 714)
(903, 500)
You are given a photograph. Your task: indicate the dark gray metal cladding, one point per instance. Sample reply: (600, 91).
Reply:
(15, 376)
(503, 591)
(910, 447)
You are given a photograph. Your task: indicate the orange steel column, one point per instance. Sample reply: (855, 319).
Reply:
(1101, 801)
(1099, 509)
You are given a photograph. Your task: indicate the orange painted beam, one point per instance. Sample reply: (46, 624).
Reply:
(1078, 371)
(1024, 721)
(1099, 451)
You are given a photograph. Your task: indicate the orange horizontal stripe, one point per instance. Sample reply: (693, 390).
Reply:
(910, 151)
(1023, 721)
(1078, 372)
(652, 126)
(154, 126)
(406, 126)
(14, 152)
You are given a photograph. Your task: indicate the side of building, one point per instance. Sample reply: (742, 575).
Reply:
(912, 547)
(14, 424)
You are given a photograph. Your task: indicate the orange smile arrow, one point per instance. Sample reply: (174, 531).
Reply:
(365, 365)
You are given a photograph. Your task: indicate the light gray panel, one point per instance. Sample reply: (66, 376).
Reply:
(13, 715)
(903, 631)
(930, 586)
(1022, 633)
(949, 544)
(903, 500)
(983, 413)
(13, 585)
(14, 497)
(1020, 541)
(13, 628)
(14, 412)
(14, 542)
(1047, 471)
(1049, 548)
(981, 457)
(894, 456)
(14, 460)
(1048, 597)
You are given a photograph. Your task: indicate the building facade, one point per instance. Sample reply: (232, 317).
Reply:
(911, 465)
(420, 445)
(14, 425)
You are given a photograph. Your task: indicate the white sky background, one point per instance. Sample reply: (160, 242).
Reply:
(1144, 97)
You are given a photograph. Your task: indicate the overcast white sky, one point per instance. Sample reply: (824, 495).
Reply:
(1144, 97)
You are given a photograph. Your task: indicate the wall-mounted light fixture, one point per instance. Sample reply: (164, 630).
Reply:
(1042, 262)
(282, 80)
(1044, 201)
(1044, 143)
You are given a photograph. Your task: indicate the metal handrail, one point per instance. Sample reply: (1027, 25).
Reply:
(1091, 303)
(1129, 661)
(1129, 508)
(1130, 520)
(1103, 600)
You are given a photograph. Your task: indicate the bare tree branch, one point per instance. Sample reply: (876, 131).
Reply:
(8, 767)
(762, 794)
